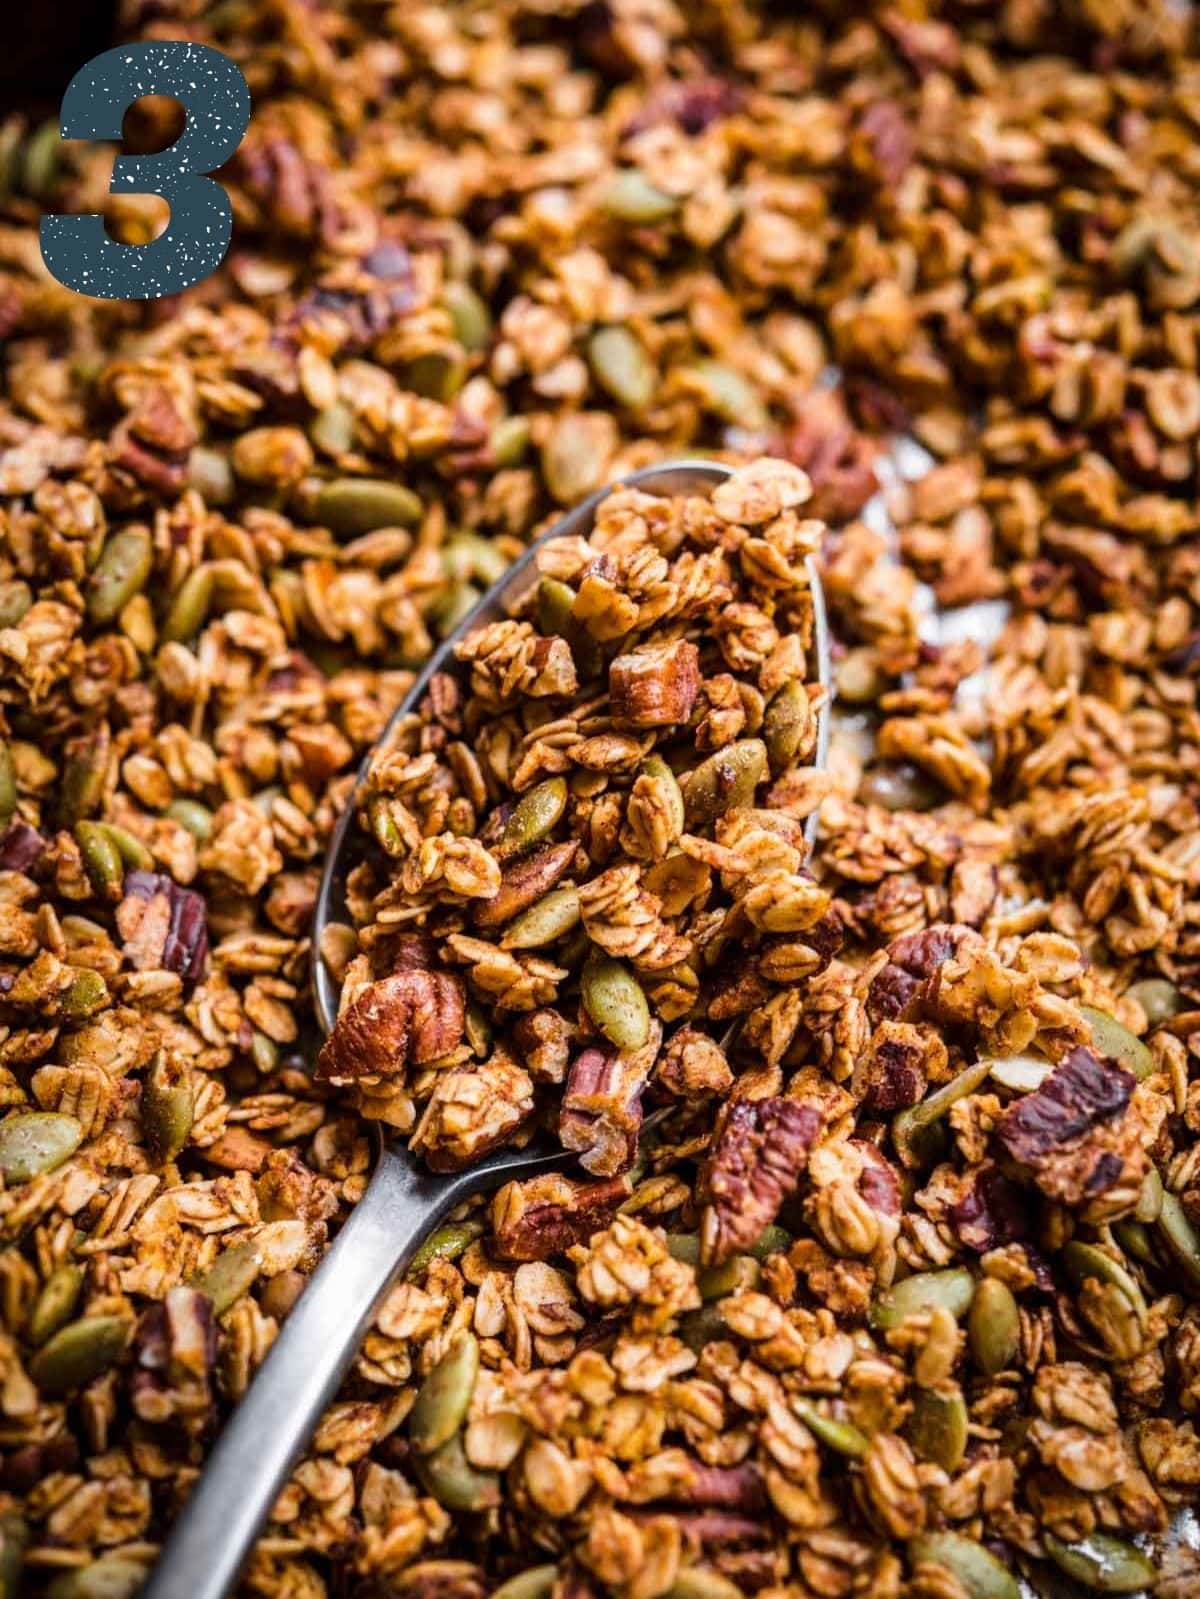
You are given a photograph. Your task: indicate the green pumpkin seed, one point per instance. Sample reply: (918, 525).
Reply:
(452, 607)
(168, 1107)
(349, 506)
(41, 159)
(621, 367)
(332, 430)
(383, 825)
(15, 599)
(8, 784)
(554, 915)
(787, 725)
(937, 1428)
(1150, 1197)
(101, 858)
(56, 1303)
(993, 1326)
(631, 197)
(1159, 999)
(210, 474)
(576, 453)
(438, 374)
(508, 442)
(1086, 1260)
(1102, 1563)
(87, 994)
(36, 1141)
(685, 1247)
(536, 1583)
(725, 781)
(739, 1275)
(14, 1539)
(1020, 1074)
(230, 1276)
(111, 1577)
(79, 1353)
(772, 1240)
(699, 1328)
(615, 1002)
(977, 1569)
(1135, 1239)
(555, 619)
(916, 1133)
(189, 606)
(1117, 1043)
(470, 315)
(84, 775)
(1177, 1233)
(446, 1243)
(841, 1436)
(467, 556)
(444, 1397)
(533, 818)
(132, 851)
(122, 571)
(698, 1582)
(728, 395)
(951, 1290)
(189, 813)
(454, 1482)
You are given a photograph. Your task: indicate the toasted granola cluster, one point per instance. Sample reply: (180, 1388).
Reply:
(902, 1293)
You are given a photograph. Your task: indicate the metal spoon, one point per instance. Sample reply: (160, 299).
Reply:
(263, 1439)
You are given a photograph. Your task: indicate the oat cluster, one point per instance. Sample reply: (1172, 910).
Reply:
(880, 1272)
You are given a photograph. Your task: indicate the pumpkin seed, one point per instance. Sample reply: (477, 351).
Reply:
(952, 1290)
(132, 851)
(445, 1243)
(699, 1328)
(383, 825)
(858, 678)
(902, 787)
(87, 994)
(993, 1326)
(454, 1482)
(111, 1577)
(1087, 1260)
(787, 725)
(533, 818)
(937, 1428)
(231, 1275)
(189, 813)
(211, 475)
(576, 453)
(615, 1002)
(264, 1052)
(536, 1583)
(437, 374)
(101, 858)
(189, 606)
(15, 599)
(79, 1353)
(553, 915)
(444, 1397)
(621, 367)
(451, 607)
(508, 441)
(14, 1539)
(56, 1303)
(470, 315)
(1102, 1563)
(41, 159)
(349, 506)
(8, 784)
(466, 555)
(631, 197)
(121, 572)
(84, 775)
(36, 1141)
(977, 1569)
(915, 1131)
(1110, 1039)
(1135, 1239)
(1176, 1232)
(841, 1436)
(773, 1240)
(725, 781)
(332, 429)
(727, 394)
(685, 1247)
(1159, 999)
(1020, 1074)
(698, 1582)
(168, 1106)
(555, 618)
(1150, 1197)
(735, 1276)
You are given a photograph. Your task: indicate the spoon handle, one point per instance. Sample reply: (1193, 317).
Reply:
(262, 1440)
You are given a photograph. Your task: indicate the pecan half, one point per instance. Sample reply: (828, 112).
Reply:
(1083, 1090)
(602, 1111)
(543, 1039)
(524, 882)
(758, 1159)
(412, 1017)
(913, 958)
(546, 1215)
(655, 686)
(164, 927)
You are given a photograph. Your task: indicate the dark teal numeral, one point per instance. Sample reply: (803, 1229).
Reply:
(216, 101)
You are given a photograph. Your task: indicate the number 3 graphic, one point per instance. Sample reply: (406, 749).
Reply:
(213, 92)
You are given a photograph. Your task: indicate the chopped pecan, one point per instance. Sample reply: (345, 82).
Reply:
(546, 1215)
(21, 846)
(602, 1111)
(1083, 1090)
(913, 958)
(543, 1039)
(895, 1068)
(655, 686)
(991, 1211)
(412, 1017)
(525, 881)
(164, 927)
(757, 1160)
(176, 1351)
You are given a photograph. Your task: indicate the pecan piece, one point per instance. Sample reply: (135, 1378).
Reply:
(543, 1039)
(546, 1215)
(1080, 1092)
(895, 1068)
(913, 958)
(602, 1111)
(21, 846)
(524, 882)
(655, 686)
(412, 1017)
(990, 1212)
(164, 927)
(757, 1160)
